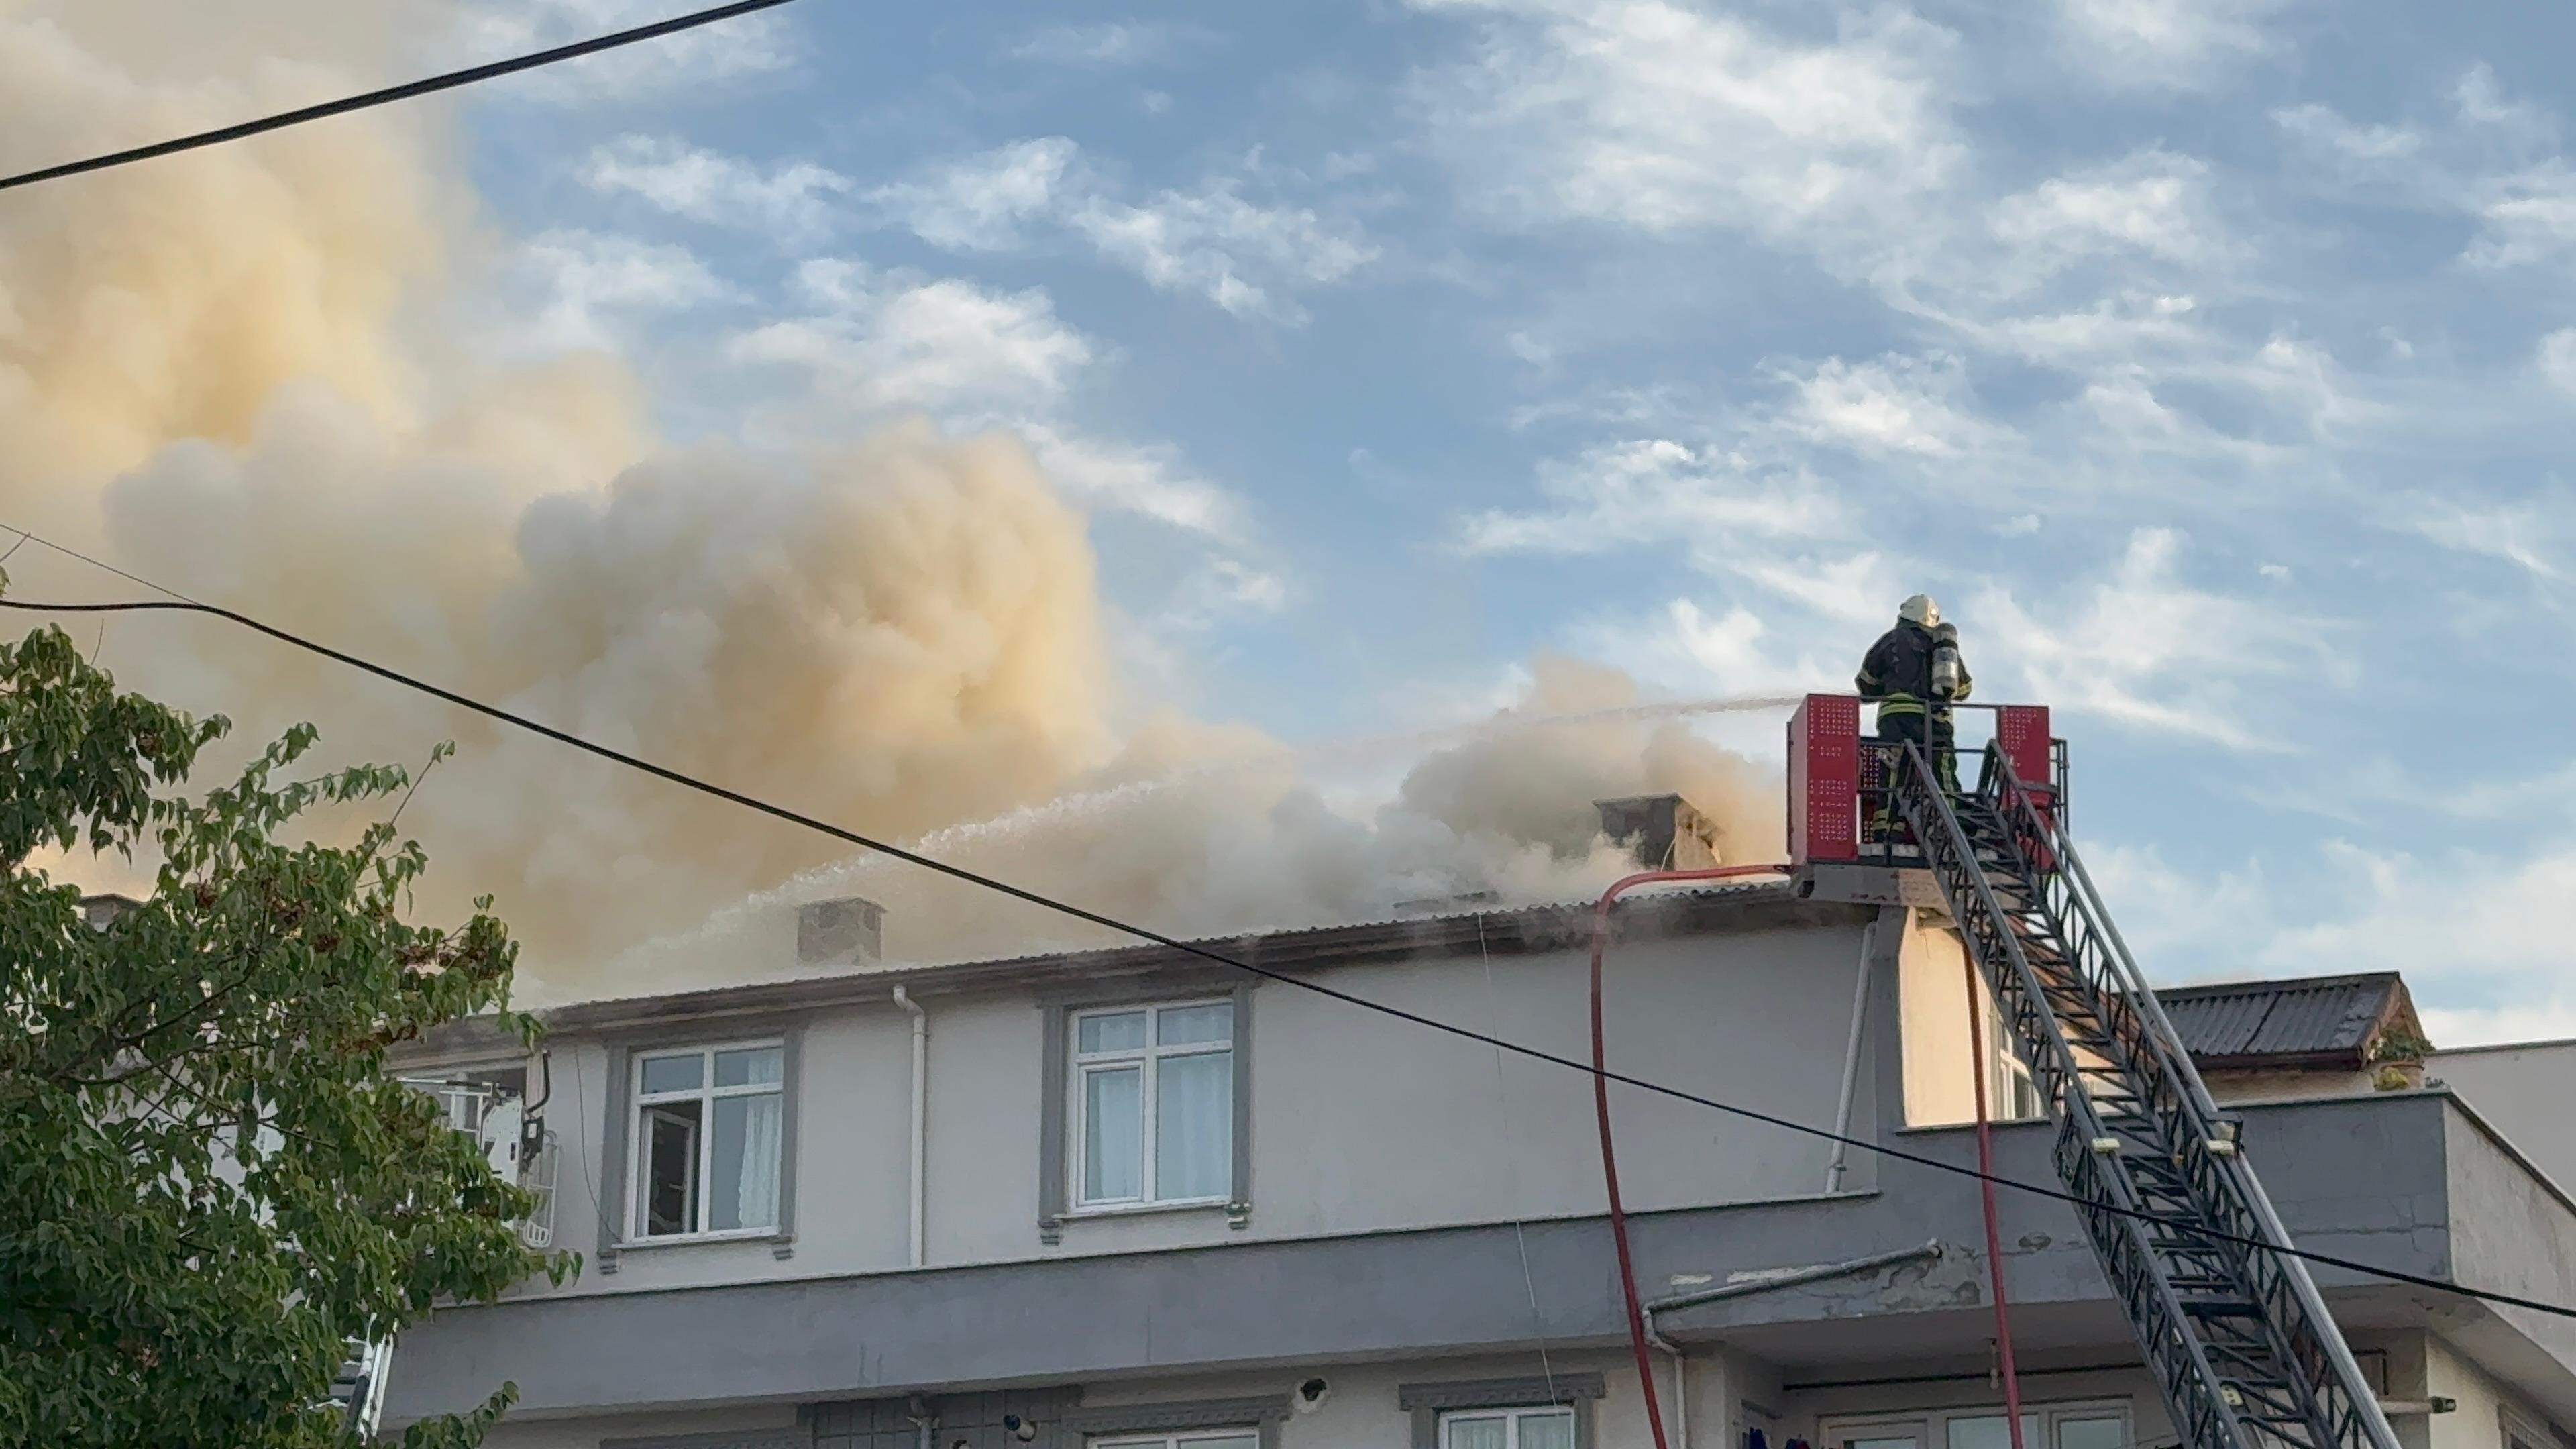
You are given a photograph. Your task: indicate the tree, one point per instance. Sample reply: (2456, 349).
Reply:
(208, 1181)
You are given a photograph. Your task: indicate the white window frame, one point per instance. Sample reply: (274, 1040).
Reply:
(1147, 1058)
(1176, 1439)
(2012, 1094)
(1512, 1415)
(1930, 1428)
(639, 1149)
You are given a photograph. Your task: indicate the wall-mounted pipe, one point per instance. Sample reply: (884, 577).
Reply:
(1851, 1052)
(1847, 1269)
(920, 1122)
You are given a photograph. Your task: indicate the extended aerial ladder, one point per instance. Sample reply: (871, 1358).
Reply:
(2230, 1323)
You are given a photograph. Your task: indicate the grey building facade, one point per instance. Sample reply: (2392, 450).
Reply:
(1123, 1200)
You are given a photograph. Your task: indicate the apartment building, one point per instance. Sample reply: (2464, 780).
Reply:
(1123, 1200)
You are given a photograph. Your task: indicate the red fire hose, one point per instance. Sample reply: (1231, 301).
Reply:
(1601, 1108)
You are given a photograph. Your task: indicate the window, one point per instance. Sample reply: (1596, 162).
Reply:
(1550, 1412)
(1201, 1439)
(2010, 1093)
(2099, 1425)
(1152, 1105)
(1547, 1428)
(706, 1140)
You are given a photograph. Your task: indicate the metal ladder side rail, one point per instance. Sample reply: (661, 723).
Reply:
(2297, 1352)
(2255, 1364)
(2233, 1195)
(2194, 1389)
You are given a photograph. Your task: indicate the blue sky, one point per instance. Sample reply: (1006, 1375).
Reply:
(2211, 360)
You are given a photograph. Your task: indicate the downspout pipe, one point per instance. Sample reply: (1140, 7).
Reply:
(1637, 1327)
(1851, 1055)
(1681, 1360)
(920, 1128)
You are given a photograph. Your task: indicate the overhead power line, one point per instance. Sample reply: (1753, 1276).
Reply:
(409, 90)
(178, 603)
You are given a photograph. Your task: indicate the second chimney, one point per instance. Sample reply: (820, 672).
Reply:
(1663, 832)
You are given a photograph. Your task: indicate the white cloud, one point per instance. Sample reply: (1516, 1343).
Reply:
(589, 278)
(983, 202)
(743, 47)
(1212, 241)
(2153, 203)
(2529, 217)
(2473, 920)
(1895, 404)
(2361, 146)
(2146, 649)
(1111, 44)
(1652, 115)
(895, 341)
(1687, 648)
(2168, 43)
(1205, 241)
(708, 186)
(1654, 491)
(2529, 533)
(877, 342)
(2557, 358)
(1150, 482)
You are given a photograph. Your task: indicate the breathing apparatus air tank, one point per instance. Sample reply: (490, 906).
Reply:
(1945, 661)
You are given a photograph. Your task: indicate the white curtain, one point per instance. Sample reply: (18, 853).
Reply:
(747, 1152)
(1194, 1126)
(1113, 1135)
(1547, 1431)
(1481, 1433)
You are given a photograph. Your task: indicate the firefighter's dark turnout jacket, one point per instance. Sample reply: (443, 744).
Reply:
(1897, 672)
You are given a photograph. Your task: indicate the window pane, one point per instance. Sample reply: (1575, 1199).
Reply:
(1113, 1135)
(1548, 1431)
(754, 1066)
(670, 1186)
(1989, 1431)
(743, 1189)
(1220, 1441)
(1118, 1032)
(672, 1074)
(1478, 1432)
(1194, 1126)
(2102, 1433)
(1882, 1441)
(1183, 1025)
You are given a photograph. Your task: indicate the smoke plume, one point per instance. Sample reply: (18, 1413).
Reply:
(245, 373)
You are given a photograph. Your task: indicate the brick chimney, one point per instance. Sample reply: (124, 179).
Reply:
(846, 932)
(1663, 832)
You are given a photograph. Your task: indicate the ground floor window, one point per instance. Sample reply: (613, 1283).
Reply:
(1195, 1439)
(2099, 1424)
(1547, 1428)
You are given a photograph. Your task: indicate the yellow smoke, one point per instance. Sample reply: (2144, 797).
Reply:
(241, 371)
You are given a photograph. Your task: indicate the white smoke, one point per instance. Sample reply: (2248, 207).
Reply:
(239, 372)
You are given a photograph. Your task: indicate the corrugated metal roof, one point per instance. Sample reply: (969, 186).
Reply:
(2317, 1019)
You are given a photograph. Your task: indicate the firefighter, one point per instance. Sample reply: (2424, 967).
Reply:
(1913, 673)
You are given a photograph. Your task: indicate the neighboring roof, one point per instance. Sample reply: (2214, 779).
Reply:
(2318, 1021)
(1523, 930)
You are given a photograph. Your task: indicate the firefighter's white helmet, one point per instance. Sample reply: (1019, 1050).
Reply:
(1920, 610)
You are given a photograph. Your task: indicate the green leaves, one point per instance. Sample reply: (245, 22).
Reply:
(208, 1183)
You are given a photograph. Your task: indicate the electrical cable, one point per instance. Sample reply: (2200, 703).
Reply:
(179, 604)
(407, 91)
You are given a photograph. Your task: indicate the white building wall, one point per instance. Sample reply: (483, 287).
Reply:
(1360, 1123)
